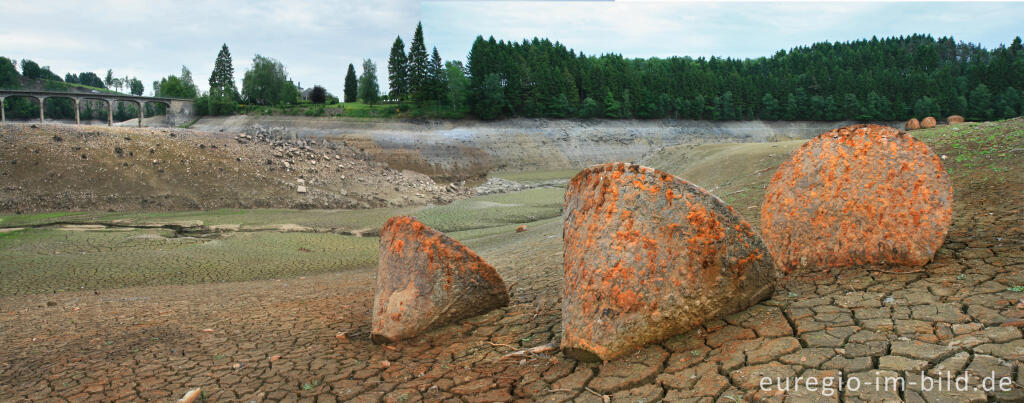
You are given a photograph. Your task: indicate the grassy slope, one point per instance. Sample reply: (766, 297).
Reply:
(983, 156)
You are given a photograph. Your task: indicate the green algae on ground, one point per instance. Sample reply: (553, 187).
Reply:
(49, 260)
(76, 257)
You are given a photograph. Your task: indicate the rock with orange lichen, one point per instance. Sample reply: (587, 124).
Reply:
(912, 124)
(954, 119)
(426, 279)
(863, 194)
(928, 123)
(648, 256)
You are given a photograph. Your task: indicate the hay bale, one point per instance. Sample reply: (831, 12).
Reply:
(928, 123)
(912, 124)
(954, 119)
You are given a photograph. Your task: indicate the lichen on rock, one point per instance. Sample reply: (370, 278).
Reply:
(862, 194)
(427, 279)
(649, 256)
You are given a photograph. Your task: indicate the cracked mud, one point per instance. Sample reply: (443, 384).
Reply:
(308, 339)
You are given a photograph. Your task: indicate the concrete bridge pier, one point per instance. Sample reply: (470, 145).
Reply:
(42, 108)
(110, 111)
(179, 110)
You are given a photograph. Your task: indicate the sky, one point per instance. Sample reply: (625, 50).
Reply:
(316, 40)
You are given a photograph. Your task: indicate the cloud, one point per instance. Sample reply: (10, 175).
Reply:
(316, 40)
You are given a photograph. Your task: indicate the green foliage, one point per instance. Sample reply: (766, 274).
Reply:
(591, 109)
(316, 110)
(222, 79)
(30, 69)
(458, 84)
(880, 79)
(418, 66)
(493, 99)
(927, 106)
(8, 74)
(177, 87)
(369, 90)
(398, 68)
(981, 103)
(266, 83)
(91, 79)
(351, 84)
(136, 86)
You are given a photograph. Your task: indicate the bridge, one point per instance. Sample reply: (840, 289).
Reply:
(179, 110)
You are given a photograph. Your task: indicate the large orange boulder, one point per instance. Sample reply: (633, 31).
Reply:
(954, 119)
(863, 194)
(928, 123)
(912, 124)
(649, 256)
(426, 279)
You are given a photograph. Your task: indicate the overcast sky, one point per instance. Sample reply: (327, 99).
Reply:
(316, 40)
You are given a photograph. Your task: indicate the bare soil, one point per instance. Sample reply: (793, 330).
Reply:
(69, 168)
(307, 339)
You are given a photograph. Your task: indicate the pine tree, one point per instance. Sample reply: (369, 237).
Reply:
(222, 80)
(438, 78)
(351, 84)
(418, 66)
(398, 70)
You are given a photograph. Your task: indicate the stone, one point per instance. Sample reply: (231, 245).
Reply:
(300, 189)
(649, 256)
(862, 194)
(928, 122)
(954, 119)
(912, 124)
(426, 279)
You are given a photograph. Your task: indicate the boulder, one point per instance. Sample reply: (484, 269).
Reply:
(862, 194)
(427, 279)
(928, 123)
(954, 119)
(912, 124)
(649, 256)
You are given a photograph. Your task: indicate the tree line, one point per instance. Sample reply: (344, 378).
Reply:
(63, 108)
(878, 79)
(424, 78)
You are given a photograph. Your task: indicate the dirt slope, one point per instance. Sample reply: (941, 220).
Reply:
(62, 167)
(308, 338)
(446, 148)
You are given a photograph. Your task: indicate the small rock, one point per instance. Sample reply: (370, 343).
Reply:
(300, 189)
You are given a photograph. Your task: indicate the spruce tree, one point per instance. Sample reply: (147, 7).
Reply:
(222, 80)
(438, 77)
(418, 66)
(398, 70)
(351, 84)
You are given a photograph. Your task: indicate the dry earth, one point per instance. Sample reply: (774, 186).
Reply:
(307, 339)
(64, 167)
